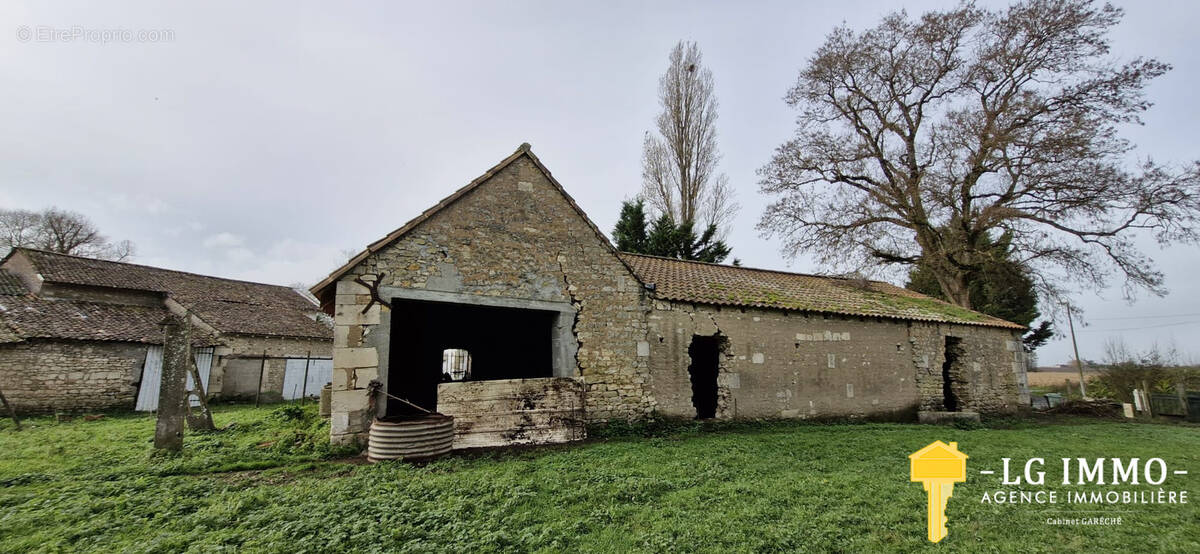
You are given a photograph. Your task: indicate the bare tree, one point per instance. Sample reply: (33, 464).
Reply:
(679, 163)
(919, 137)
(59, 231)
(302, 289)
(19, 228)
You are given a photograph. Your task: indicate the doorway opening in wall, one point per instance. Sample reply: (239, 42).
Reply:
(436, 342)
(705, 352)
(950, 373)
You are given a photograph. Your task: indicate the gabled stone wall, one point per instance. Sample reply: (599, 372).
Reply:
(513, 237)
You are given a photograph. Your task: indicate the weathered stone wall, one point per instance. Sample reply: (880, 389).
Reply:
(781, 364)
(243, 354)
(39, 376)
(20, 266)
(991, 367)
(514, 236)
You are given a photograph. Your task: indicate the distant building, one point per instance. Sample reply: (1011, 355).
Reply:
(558, 329)
(83, 334)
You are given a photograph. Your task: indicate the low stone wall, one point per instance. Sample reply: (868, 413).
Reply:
(514, 411)
(40, 376)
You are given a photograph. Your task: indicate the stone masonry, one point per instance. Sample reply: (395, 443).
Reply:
(780, 364)
(513, 236)
(40, 376)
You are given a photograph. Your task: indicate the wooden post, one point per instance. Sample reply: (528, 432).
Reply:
(304, 384)
(262, 369)
(202, 421)
(1146, 398)
(11, 412)
(172, 397)
(1181, 392)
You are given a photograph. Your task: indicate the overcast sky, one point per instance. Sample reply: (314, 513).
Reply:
(260, 140)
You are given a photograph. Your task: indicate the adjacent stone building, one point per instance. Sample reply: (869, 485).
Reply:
(509, 279)
(83, 334)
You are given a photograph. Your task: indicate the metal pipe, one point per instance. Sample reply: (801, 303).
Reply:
(304, 385)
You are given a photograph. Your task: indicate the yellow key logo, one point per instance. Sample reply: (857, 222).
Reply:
(938, 466)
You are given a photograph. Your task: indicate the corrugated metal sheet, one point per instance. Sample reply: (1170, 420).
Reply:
(320, 371)
(147, 400)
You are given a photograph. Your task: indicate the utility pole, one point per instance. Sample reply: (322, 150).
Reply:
(1075, 345)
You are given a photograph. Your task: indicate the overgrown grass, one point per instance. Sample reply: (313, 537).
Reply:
(272, 483)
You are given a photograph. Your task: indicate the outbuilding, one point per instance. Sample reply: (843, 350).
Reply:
(506, 307)
(83, 334)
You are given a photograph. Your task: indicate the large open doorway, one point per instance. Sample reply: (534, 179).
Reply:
(951, 374)
(705, 352)
(435, 342)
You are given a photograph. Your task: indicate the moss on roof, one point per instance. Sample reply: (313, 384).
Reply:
(741, 286)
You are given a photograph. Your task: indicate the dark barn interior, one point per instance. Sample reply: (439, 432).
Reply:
(705, 355)
(503, 343)
(952, 378)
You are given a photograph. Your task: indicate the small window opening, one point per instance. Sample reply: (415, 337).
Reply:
(456, 364)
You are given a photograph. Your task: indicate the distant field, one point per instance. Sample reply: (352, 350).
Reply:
(272, 484)
(1053, 378)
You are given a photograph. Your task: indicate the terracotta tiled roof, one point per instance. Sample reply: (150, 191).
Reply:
(230, 306)
(11, 285)
(740, 286)
(252, 319)
(29, 317)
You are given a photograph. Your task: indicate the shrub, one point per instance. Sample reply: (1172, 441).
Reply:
(1125, 370)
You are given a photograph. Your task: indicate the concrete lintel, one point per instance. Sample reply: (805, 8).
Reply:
(390, 293)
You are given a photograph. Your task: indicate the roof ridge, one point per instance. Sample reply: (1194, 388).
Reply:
(779, 271)
(128, 264)
(523, 150)
(412, 223)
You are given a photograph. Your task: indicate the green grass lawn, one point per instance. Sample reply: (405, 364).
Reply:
(272, 483)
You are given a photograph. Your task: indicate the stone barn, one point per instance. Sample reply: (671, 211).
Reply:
(506, 307)
(83, 334)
